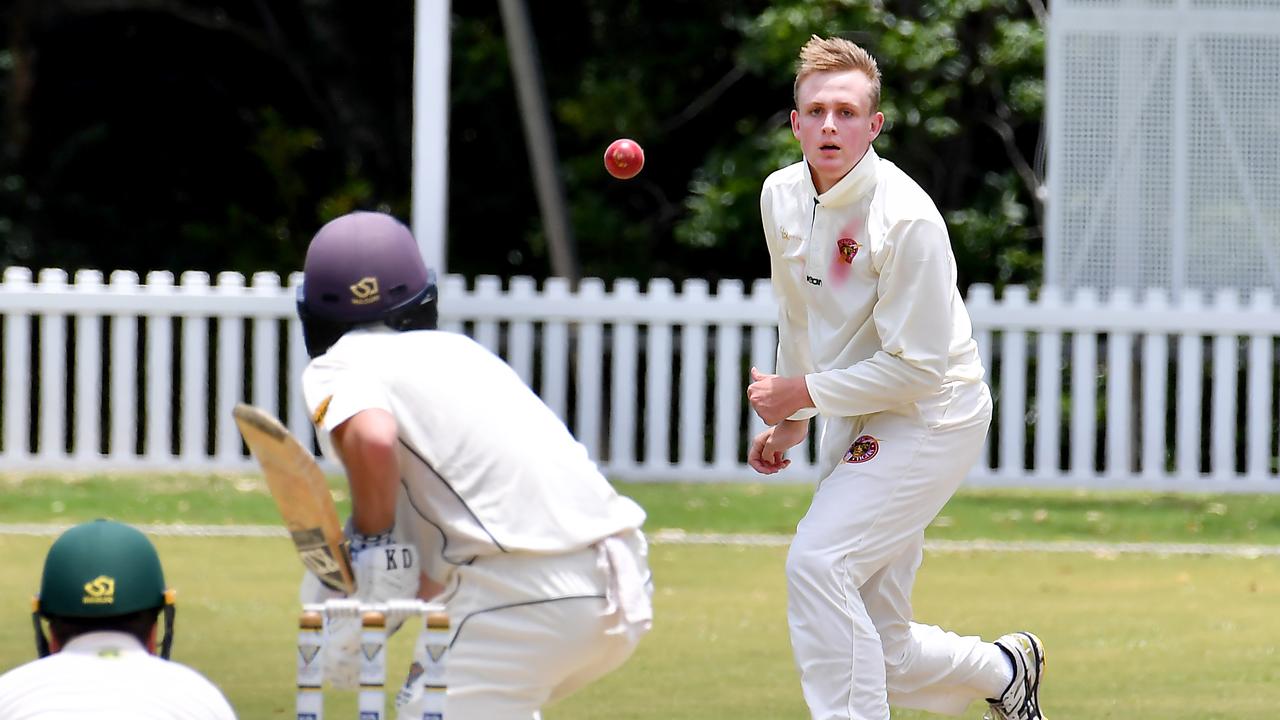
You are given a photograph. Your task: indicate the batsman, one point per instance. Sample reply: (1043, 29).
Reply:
(465, 487)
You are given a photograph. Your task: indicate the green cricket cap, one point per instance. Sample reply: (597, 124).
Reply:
(101, 569)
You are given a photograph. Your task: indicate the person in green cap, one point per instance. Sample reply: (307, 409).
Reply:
(102, 594)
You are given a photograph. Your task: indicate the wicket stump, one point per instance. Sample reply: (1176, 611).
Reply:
(430, 647)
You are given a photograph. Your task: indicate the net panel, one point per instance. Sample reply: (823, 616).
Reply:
(1164, 156)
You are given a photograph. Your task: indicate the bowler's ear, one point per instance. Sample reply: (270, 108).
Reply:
(877, 124)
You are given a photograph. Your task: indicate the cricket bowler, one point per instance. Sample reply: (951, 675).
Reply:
(873, 336)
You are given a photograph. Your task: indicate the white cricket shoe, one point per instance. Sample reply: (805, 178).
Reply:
(1021, 700)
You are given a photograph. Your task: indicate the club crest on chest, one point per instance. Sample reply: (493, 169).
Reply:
(862, 449)
(848, 248)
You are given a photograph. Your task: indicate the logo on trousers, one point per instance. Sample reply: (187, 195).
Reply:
(862, 449)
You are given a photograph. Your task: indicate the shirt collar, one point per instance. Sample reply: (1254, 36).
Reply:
(852, 187)
(94, 643)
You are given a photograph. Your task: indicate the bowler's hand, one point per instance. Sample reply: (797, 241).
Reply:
(766, 455)
(776, 398)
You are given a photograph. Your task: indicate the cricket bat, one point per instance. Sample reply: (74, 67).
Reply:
(301, 494)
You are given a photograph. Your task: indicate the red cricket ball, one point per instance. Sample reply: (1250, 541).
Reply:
(624, 159)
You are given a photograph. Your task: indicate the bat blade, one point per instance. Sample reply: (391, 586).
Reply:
(298, 486)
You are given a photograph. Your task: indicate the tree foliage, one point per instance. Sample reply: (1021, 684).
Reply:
(174, 134)
(962, 95)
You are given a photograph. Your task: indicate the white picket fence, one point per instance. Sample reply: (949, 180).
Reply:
(130, 376)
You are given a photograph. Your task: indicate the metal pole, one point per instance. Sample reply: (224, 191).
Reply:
(431, 130)
(537, 132)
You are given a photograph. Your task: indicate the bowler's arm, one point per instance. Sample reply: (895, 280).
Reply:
(913, 316)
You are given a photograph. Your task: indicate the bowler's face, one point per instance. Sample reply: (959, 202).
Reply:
(834, 123)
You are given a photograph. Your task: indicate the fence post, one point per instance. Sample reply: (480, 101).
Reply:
(194, 424)
(1013, 390)
(160, 394)
(555, 352)
(89, 375)
(229, 371)
(452, 288)
(764, 356)
(53, 372)
(520, 332)
(1084, 388)
(1261, 375)
(589, 401)
(981, 304)
(1222, 422)
(266, 347)
(486, 329)
(123, 397)
(1155, 381)
(624, 383)
(1118, 461)
(299, 420)
(657, 411)
(691, 440)
(729, 388)
(17, 371)
(1189, 384)
(1048, 403)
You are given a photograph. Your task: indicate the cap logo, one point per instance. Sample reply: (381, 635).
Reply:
(365, 291)
(100, 591)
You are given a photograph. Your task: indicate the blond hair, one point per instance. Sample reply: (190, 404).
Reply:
(839, 55)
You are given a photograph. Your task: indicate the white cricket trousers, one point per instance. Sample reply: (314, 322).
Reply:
(531, 629)
(853, 562)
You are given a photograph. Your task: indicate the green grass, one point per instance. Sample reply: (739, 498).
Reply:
(995, 514)
(753, 508)
(1129, 637)
(191, 499)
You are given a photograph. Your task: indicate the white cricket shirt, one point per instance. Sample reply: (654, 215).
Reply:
(868, 308)
(483, 459)
(108, 676)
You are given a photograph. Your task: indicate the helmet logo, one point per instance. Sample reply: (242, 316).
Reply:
(100, 591)
(365, 291)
